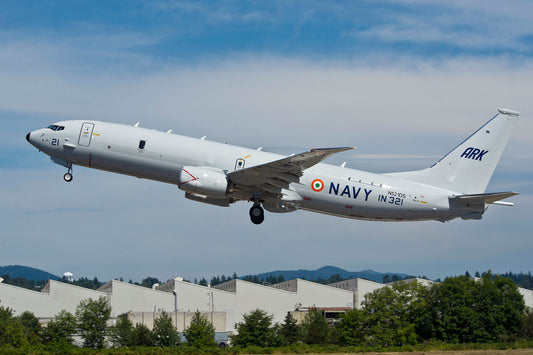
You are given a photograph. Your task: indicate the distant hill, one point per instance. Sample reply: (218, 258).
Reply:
(326, 272)
(26, 272)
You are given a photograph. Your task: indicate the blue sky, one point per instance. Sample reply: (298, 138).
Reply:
(404, 81)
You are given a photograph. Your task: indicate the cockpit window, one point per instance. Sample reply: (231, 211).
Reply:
(54, 127)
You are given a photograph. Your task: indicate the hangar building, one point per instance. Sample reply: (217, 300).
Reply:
(224, 304)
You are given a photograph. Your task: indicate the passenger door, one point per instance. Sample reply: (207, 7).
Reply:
(86, 134)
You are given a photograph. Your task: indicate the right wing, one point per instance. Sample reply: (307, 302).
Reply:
(270, 178)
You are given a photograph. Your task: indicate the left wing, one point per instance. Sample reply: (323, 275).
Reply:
(274, 176)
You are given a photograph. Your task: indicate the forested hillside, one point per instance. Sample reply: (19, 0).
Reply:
(33, 278)
(26, 272)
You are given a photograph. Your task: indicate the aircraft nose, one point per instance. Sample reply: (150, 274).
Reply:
(28, 136)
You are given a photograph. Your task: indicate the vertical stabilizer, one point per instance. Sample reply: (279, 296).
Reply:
(468, 168)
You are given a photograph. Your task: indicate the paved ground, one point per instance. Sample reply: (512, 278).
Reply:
(470, 352)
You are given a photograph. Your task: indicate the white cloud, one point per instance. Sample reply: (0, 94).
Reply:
(109, 225)
(467, 25)
(305, 104)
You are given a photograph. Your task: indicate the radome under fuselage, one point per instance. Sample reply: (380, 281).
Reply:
(322, 188)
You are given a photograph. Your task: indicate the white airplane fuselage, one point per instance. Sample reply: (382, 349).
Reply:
(323, 188)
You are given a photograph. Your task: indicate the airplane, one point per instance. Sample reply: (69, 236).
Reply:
(222, 174)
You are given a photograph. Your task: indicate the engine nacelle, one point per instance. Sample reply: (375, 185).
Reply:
(203, 180)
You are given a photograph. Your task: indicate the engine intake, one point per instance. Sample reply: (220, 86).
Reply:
(203, 180)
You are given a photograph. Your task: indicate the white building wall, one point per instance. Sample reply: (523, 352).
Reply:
(314, 294)
(528, 297)
(359, 287)
(58, 296)
(364, 287)
(126, 298)
(249, 296)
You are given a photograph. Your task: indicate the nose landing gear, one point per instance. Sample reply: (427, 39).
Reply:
(257, 214)
(68, 175)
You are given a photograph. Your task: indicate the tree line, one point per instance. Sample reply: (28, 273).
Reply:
(457, 310)
(90, 322)
(521, 279)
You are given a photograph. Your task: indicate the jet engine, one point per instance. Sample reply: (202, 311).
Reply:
(203, 181)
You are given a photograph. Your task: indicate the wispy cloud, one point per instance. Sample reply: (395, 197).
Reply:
(453, 28)
(470, 29)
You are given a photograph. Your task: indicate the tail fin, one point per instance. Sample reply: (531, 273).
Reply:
(468, 168)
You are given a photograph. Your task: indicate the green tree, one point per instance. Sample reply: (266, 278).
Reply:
(352, 328)
(149, 282)
(60, 329)
(451, 316)
(6, 317)
(85, 282)
(14, 335)
(461, 310)
(315, 329)
(500, 308)
(527, 327)
(11, 330)
(290, 330)
(32, 327)
(255, 330)
(392, 313)
(141, 336)
(121, 333)
(92, 316)
(164, 333)
(200, 333)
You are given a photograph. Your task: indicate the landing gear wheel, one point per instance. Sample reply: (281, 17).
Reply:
(67, 177)
(257, 214)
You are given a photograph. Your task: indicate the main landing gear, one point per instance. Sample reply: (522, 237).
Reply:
(257, 214)
(68, 175)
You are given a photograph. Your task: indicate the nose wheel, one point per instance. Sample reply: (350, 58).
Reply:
(68, 175)
(257, 214)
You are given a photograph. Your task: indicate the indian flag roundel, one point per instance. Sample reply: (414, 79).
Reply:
(317, 185)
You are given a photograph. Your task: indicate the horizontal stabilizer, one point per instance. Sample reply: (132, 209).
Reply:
(482, 199)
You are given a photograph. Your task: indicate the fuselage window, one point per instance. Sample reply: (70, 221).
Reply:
(142, 144)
